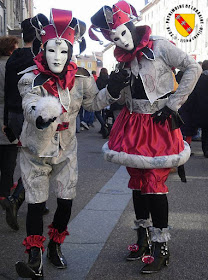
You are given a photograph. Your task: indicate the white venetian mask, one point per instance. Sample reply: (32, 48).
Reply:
(56, 55)
(123, 38)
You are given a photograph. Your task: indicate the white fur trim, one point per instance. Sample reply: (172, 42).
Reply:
(142, 223)
(144, 162)
(160, 235)
(48, 107)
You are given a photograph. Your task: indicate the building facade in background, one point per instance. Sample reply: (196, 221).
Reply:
(2, 18)
(155, 14)
(109, 61)
(93, 62)
(12, 13)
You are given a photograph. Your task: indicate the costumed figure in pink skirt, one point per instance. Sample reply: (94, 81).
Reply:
(145, 136)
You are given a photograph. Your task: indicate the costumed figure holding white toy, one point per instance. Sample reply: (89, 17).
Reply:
(52, 93)
(145, 136)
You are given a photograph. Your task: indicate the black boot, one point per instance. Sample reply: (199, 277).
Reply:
(160, 253)
(181, 173)
(12, 206)
(142, 246)
(105, 131)
(34, 268)
(204, 140)
(55, 255)
(46, 211)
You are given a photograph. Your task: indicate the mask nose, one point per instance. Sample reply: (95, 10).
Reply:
(122, 40)
(57, 56)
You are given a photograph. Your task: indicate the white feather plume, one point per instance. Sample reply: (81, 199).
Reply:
(48, 107)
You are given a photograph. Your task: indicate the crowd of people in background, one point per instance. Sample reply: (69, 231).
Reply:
(105, 117)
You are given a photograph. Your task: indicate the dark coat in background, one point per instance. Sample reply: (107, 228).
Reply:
(199, 102)
(102, 81)
(188, 128)
(20, 59)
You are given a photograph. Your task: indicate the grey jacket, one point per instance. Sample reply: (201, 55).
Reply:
(47, 142)
(157, 76)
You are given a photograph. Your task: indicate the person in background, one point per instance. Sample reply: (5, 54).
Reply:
(102, 82)
(87, 118)
(145, 136)
(8, 148)
(86, 121)
(198, 101)
(94, 75)
(20, 59)
(188, 129)
(197, 137)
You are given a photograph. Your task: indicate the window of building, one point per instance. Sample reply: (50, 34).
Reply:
(89, 65)
(83, 64)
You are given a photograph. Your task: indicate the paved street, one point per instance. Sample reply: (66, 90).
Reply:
(102, 220)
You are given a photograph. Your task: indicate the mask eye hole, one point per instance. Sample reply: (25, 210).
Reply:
(123, 33)
(63, 51)
(115, 39)
(50, 50)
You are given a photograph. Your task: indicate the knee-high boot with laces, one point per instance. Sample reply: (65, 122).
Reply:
(34, 267)
(141, 248)
(160, 254)
(54, 253)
